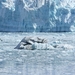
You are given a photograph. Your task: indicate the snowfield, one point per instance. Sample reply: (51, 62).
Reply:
(59, 59)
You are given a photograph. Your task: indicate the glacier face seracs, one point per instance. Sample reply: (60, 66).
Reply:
(49, 15)
(33, 4)
(62, 15)
(10, 4)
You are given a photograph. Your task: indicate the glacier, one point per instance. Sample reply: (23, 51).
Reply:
(10, 4)
(48, 15)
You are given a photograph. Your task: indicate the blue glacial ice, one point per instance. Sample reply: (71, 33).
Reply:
(48, 15)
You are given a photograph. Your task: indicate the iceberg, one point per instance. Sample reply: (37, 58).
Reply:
(31, 43)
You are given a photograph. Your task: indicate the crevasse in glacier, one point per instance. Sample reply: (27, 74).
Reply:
(48, 15)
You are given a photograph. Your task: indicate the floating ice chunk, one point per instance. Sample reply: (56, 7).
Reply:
(45, 46)
(56, 42)
(1, 60)
(0, 39)
(31, 43)
(2, 50)
(19, 72)
(65, 46)
(68, 46)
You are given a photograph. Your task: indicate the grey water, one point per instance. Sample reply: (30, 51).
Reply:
(57, 61)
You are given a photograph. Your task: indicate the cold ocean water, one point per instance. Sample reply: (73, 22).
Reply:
(55, 61)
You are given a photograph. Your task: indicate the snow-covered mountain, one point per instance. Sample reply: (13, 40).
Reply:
(48, 15)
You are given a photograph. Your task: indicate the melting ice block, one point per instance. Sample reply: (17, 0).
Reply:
(31, 43)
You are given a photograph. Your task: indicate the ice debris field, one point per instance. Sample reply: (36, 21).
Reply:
(58, 58)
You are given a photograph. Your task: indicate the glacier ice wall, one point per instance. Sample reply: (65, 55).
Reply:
(10, 4)
(48, 15)
(62, 15)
